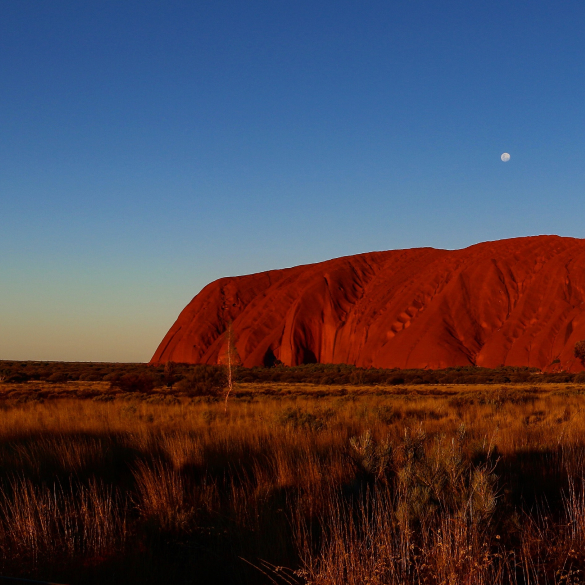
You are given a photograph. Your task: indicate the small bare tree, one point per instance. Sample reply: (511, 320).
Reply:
(231, 360)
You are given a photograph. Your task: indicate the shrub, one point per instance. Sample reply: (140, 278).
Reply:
(297, 418)
(133, 383)
(58, 378)
(203, 381)
(396, 381)
(372, 458)
(16, 378)
(170, 375)
(579, 351)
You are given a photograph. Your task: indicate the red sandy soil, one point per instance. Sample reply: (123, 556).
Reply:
(513, 302)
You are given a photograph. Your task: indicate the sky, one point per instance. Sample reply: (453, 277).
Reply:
(148, 148)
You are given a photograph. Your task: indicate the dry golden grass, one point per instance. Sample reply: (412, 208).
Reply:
(419, 484)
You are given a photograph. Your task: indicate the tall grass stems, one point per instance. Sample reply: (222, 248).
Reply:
(392, 485)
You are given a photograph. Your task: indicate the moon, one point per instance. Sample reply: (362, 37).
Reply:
(505, 157)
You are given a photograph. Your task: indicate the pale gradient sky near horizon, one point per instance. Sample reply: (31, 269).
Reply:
(149, 148)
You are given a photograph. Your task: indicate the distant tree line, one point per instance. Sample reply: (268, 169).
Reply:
(202, 379)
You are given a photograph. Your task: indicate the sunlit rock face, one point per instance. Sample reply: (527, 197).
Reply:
(512, 302)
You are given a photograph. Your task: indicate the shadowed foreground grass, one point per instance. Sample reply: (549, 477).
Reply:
(438, 485)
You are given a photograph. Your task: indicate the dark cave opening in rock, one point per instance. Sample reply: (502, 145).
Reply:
(270, 360)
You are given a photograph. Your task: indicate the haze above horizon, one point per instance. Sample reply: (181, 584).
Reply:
(149, 148)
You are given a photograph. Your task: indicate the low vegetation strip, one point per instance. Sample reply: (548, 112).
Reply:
(296, 483)
(143, 376)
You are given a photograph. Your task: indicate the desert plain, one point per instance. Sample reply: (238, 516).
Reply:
(294, 482)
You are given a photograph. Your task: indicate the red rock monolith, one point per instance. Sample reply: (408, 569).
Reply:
(516, 302)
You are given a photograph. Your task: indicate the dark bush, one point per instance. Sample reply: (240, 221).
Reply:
(17, 377)
(171, 374)
(500, 379)
(133, 383)
(58, 378)
(203, 381)
(579, 351)
(92, 375)
(579, 378)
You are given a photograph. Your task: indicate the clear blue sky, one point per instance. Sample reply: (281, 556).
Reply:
(148, 148)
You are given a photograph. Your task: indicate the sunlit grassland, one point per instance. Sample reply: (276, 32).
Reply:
(340, 484)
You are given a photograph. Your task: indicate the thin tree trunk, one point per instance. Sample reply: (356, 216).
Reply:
(230, 381)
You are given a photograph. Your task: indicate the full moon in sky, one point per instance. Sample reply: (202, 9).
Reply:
(505, 157)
